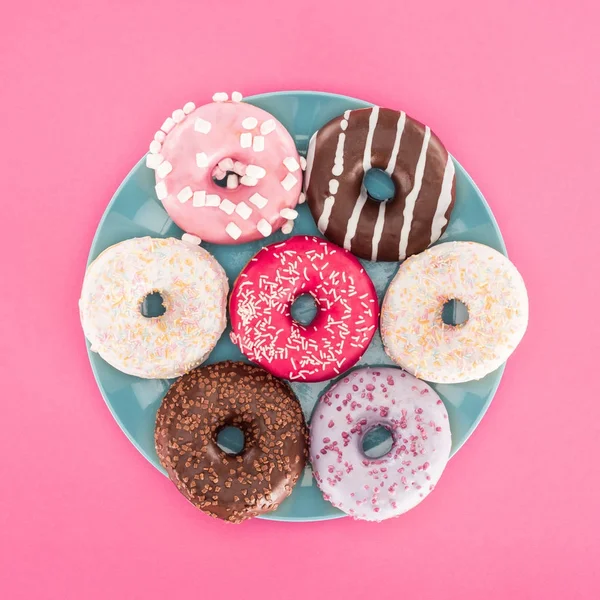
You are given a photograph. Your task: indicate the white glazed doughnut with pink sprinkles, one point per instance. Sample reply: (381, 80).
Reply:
(374, 489)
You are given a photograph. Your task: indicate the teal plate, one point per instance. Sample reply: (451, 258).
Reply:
(135, 211)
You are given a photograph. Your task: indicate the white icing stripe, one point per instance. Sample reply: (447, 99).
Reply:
(338, 161)
(378, 230)
(411, 199)
(439, 219)
(310, 156)
(394, 156)
(324, 218)
(362, 198)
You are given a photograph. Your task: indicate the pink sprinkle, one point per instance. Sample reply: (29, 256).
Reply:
(331, 424)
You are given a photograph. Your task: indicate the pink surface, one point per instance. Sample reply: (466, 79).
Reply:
(510, 87)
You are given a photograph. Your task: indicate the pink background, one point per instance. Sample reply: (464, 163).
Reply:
(512, 90)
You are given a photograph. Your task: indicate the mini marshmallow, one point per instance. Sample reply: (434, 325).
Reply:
(185, 194)
(168, 125)
(188, 238)
(287, 227)
(227, 206)
(289, 182)
(255, 171)
(161, 190)
(220, 97)
(155, 147)
(243, 210)
(303, 163)
(239, 168)
(267, 127)
(302, 198)
(264, 228)
(201, 159)
(249, 181)
(249, 123)
(188, 107)
(291, 164)
(178, 115)
(218, 173)
(232, 181)
(258, 200)
(160, 136)
(288, 213)
(258, 143)
(164, 168)
(236, 97)
(213, 200)
(246, 140)
(201, 125)
(153, 160)
(199, 199)
(233, 230)
(226, 164)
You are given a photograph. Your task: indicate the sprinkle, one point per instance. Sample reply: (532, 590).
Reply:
(220, 97)
(202, 126)
(232, 181)
(185, 194)
(303, 163)
(302, 198)
(153, 160)
(255, 171)
(160, 136)
(288, 213)
(236, 97)
(258, 144)
(289, 182)
(233, 230)
(291, 164)
(155, 147)
(249, 123)
(161, 190)
(246, 140)
(168, 125)
(287, 227)
(267, 127)
(188, 107)
(264, 227)
(188, 238)
(227, 206)
(258, 201)
(202, 159)
(243, 210)
(249, 181)
(199, 199)
(164, 168)
(239, 168)
(178, 115)
(213, 200)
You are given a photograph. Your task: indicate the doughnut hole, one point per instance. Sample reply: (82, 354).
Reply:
(377, 442)
(455, 313)
(153, 306)
(231, 440)
(304, 309)
(379, 185)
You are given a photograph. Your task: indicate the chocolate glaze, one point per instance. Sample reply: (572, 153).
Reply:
(403, 175)
(204, 401)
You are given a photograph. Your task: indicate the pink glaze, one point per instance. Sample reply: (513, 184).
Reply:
(375, 489)
(224, 140)
(261, 301)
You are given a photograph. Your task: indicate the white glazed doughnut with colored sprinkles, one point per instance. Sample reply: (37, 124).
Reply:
(413, 332)
(193, 287)
(375, 489)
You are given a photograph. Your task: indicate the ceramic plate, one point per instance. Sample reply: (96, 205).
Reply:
(135, 211)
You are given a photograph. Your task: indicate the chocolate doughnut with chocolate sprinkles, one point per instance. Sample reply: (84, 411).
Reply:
(232, 487)
(345, 149)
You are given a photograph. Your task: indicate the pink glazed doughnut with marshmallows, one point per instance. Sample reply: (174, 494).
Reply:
(248, 150)
(375, 489)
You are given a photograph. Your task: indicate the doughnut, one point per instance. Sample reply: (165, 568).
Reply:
(375, 489)
(260, 308)
(232, 487)
(244, 148)
(345, 149)
(193, 286)
(486, 282)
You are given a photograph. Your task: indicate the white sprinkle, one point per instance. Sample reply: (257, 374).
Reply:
(185, 194)
(233, 230)
(161, 190)
(243, 210)
(153, 160)
(236, 97)
(178, 115)
(258, 200)
(227, 206)
(168, 125)
(246, 140)
(232, 181)
(291, 164)
(164, 168)
(160, 136)
(226, 164)
(334, 184)
(302, 198)
(255, 171)
(202, 159)
(267, 126)
(220, 97)
(289, 182)
(199, 199)
(264, 228)
(287, 227)
(155, 147)
(288, 213)
(258, 143)
(213, 200)
(249, 181)
(201, 125)
(303, 163)
(249, 123)
(239, 168)
(188, 238)
(188, 107)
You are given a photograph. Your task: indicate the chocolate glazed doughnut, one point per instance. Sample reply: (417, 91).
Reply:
(232, 487)
(340, 154)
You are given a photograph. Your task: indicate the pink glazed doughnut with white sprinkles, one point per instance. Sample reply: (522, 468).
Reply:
(243, 147)
(374, 489)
